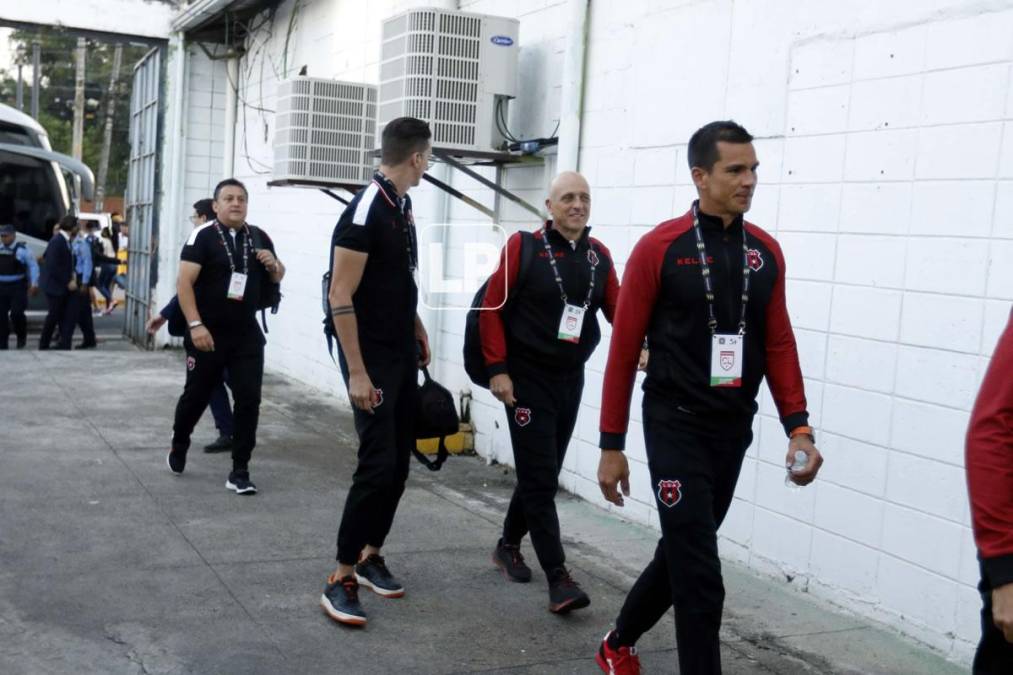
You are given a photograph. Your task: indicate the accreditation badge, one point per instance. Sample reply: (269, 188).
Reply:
(237, 286)
(726, 360)
(571, 323)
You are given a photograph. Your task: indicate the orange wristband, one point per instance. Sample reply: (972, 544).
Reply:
(799, 431)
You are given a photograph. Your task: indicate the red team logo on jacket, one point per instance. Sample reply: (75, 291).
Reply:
(522, 416)
(191, 363)
(377, 397)
(668, 492)
(592, 257)
(754, 259)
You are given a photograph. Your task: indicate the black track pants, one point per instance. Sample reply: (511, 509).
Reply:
(694, 468)
(386, 439)
(243, 355)
(541, 425)
(994, 655)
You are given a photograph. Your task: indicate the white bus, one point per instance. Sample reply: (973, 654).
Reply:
(37, 186)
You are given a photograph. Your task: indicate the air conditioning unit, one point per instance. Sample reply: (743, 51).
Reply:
(324, 131)
(455, 70)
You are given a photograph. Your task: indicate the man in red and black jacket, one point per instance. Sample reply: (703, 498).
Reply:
(535, 347)
(707, 289)
(989, 461)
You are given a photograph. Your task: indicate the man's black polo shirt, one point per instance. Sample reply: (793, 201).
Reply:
(206, 247)
(379, 223)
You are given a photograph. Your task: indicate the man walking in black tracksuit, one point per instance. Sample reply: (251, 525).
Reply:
(707, 289)
(536, 368)
(221, 272)
(373, 300)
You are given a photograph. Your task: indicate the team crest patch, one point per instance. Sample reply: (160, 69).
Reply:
(378, 395)
(191, 363)
(754, 259)
(592, 257)
(669, 492)
(522, 416)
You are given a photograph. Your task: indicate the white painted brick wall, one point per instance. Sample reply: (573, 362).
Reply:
(885, 136)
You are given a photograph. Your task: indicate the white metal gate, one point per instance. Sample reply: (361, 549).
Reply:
(142, 192)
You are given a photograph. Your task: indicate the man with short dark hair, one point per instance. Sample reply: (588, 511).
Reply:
(19, 278)
(707, 289)
(62, 285)
(382, 343)
(221, 270)
(221, 409)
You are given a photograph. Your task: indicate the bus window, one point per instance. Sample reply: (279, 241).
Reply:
(30, 196)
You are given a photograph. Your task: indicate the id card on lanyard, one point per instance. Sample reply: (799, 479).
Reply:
(571, 323)
(237, 282)
(726, 348)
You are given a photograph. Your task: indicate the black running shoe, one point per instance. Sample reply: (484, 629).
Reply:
(509, 559)
(223, 444)
(340, 601)
(176, 459)
(374, 575)
(565, 594)
(240, 482)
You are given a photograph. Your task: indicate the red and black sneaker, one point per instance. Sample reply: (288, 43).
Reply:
(509, 559)
(621, 661)
(565, 594)
(340, 601)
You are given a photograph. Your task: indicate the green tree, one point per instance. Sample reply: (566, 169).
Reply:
(56, 96)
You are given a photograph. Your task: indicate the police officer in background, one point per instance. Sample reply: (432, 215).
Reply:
(84, 265)
(373, 299)
(708, 289)
(19, 278)
(220, 273)
(535, 357)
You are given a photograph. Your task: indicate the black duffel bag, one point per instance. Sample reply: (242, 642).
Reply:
(435, 417)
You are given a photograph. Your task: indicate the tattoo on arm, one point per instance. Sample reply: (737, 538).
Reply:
(344, 309)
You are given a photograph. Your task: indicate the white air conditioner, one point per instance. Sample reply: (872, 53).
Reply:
(455, 70)
(324, 131)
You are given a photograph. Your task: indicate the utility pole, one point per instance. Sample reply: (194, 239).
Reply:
(36, 57)
(77, 144)
(21, 88)
(107, 135)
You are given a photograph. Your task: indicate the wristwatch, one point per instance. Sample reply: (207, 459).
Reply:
(194, 324)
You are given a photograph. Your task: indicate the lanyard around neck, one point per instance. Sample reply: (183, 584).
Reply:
(228, 251)
(592, 260)
(708, 284)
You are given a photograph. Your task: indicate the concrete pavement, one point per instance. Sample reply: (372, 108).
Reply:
(110, 564)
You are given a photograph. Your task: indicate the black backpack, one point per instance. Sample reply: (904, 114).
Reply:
(435, 417)
(270, 292)
(474, 361)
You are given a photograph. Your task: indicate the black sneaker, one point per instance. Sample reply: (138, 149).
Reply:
(509, 559)
(374, 575)
(240, 482)
(564, 593)
(176, 459)
(223, 444)
(340, 601)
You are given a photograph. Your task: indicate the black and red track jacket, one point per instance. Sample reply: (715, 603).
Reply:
(989, 461)
(534, 314)
(662, 297)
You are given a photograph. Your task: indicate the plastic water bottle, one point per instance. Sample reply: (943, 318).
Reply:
(801, 460)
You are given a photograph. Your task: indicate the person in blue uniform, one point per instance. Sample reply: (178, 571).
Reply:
(19, 278)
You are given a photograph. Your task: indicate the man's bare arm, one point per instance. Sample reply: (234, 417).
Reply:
(346, 273)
